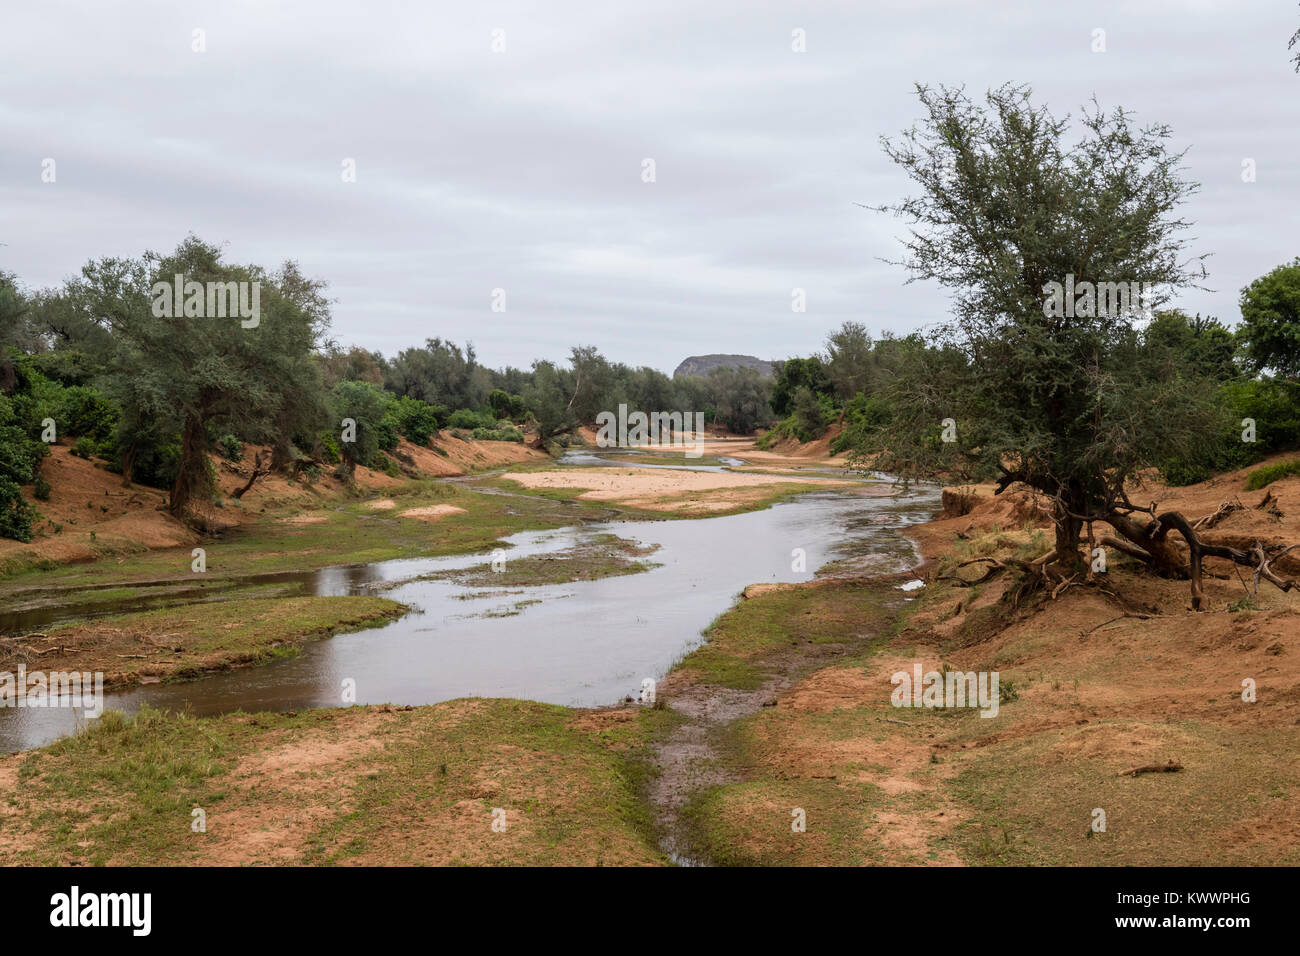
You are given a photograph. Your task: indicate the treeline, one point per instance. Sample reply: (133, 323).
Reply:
(1247, 378)
(93, 363)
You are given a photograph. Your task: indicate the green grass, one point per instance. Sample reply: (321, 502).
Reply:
(1026, 805)
(350, 534)
(398, 786)
(741, 644)
(600, 556)
(186, 642)
(1261, 477)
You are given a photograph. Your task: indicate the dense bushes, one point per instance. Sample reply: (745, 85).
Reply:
(1274, 408)
(20, 457)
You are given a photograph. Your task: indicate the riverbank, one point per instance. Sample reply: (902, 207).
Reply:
(189, 642)
(783, 716)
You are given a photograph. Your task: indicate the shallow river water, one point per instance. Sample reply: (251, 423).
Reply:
(587, 643)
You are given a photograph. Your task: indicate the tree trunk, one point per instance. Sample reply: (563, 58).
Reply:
(280, 454)
(1165, 557)
(128, 464)
(192, 475)
(1068, 527)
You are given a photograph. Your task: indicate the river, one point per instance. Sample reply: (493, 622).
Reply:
(582, 644)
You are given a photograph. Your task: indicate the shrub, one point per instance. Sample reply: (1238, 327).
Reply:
(469, 419)
(415, 419)
(1260, 477)
(329, 450)
(20, 457)
(507, 433)
(85, 448)
(862, 415)
(81, 410)
(41, 489)
(232, 449)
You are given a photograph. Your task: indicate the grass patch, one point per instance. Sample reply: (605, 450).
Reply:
(741, 646)
(186, 642)
(371, 785)
(1261, 477)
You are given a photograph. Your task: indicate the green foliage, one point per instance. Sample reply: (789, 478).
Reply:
(505, 405)
(794, 374)
(1261, 477)
(1072, 405)
(1273, 405)
(440, 373)
(1270, 321)
(503, 433)
(20, 457)
(469, 419)
(195, 374)
(417, 420)
(366, 405)
(85, 447)
(864, 415)
(231, 448)
(1205, 345)
(811, 414)
(739, 399)
(547, 397)
(851, 361)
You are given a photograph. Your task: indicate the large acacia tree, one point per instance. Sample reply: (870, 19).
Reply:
(1011, 199)
(194, 375)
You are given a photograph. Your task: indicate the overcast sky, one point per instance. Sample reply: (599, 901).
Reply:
(522, 169)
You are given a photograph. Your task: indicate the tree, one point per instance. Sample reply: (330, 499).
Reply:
(849, 360)
(195, 372)
(1204, 344)
(1270, 321)
(358, 410)
(440, 373)
(1064, 400)
(549, 398)
(739, 398)
(595, 384)
(796, 373)
(1295, 41)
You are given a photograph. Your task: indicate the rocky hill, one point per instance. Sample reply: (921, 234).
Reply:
(704, 364)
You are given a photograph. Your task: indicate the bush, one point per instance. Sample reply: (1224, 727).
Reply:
(862, 415)
(85, 448)
(507, 433)
(232, 449)
(20, 457)
(811, 414)
(329, 450)
(1271, 473)
(41, 490)
(469, 419)
(382, 462)
(81, 410)
(1275, 408)
(415, 419)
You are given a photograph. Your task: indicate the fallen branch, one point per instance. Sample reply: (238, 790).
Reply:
(1170, 767)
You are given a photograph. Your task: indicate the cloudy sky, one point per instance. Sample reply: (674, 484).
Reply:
(521, 168)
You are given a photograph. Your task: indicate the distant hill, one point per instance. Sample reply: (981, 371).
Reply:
(704, 364)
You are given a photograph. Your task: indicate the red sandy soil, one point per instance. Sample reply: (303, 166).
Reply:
(90, 513)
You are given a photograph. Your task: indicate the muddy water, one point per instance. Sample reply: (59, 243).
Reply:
(586, 643)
